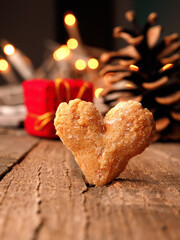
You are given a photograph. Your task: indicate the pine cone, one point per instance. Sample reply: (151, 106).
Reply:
(146, 70)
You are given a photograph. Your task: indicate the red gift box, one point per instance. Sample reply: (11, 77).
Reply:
(42, 97)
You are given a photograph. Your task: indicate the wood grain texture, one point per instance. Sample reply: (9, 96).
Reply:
(45, 197)
(13, 147)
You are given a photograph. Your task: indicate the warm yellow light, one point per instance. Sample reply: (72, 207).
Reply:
(129, 85)
(70, 19)
(3, 65)
(167, 66)
(61, 53)
(93, 63)
(134, 68)
(97, 92)
(72, 43)
(8, 49)
(80, 64)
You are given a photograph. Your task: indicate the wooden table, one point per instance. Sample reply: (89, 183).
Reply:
(43, 194)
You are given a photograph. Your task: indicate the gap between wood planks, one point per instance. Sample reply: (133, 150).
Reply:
(14, 146)
(39, 226)
(10, 166)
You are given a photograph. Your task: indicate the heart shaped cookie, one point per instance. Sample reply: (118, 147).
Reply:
(103, 147)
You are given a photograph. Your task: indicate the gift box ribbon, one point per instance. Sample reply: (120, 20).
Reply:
(44, 119)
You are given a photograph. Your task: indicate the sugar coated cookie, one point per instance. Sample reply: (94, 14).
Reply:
(103, 146)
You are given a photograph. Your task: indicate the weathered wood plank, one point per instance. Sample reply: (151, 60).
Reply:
(13, 147)
(40, 199)
(62, 202)
(45, 197)
(143, 203)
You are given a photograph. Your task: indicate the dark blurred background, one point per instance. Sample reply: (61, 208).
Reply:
(27, 24)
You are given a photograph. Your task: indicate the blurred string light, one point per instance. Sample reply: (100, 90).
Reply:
(93, 63)
(69, 19)
(9, 49)
(61, 53)
(98, 92)
(72, 43)
(4, 65)
(80, 64)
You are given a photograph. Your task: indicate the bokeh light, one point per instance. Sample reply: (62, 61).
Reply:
(72, 43)
(93, 63)
(3, 65)
(70, 19)
(61, 53)
(80, 64)
(97, 92)
(8, 49)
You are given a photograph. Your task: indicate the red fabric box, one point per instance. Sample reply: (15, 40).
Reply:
(42, 97)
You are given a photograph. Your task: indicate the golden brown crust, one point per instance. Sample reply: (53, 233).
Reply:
(103, 147)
